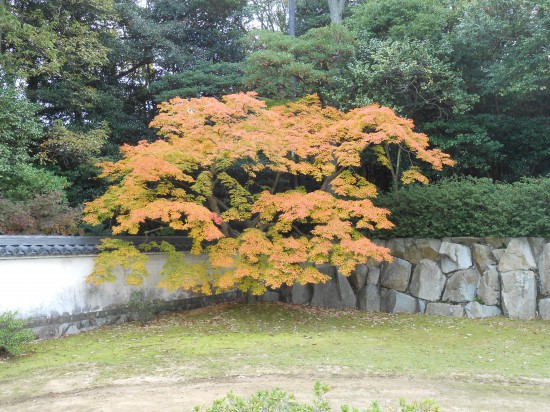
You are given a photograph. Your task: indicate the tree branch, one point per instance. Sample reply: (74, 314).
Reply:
(392, 170)
(330, 178)
(132, 69)
(221, 203)
(274, 187)
(299, 231)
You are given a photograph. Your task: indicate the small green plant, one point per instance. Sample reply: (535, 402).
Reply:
(415, 406)
(141, 308)
(280, 401)
(13, 333)
(274, 400)
(418, 406)
(480, 300)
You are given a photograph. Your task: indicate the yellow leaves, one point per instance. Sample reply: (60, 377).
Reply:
(381, 156)
(349, 184)
(223, 253)
(436, 158)
(333, 229)
(119, 254)
(289, 250)
(179, 273)
(348, 154)
(413, 175)
(239, 198)
(254, 243)
(312, 275)
(319, 250)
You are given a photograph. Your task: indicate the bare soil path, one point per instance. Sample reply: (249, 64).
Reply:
(166, 394)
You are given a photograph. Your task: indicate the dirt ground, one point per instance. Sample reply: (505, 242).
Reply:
(167, 394)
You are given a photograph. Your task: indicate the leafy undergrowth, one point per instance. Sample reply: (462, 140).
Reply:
(281, 401)
(233, 339)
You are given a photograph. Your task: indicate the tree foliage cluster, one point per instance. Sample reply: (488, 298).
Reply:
(275, 191)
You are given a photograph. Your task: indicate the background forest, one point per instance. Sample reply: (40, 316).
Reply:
(80, 78)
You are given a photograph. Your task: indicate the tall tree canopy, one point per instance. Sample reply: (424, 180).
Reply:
(31, 197)
(20, 133)
(221, 173)
(473, 74)
(503, 47)
(58, 48)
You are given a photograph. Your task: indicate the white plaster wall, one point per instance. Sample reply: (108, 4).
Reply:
(56, 285)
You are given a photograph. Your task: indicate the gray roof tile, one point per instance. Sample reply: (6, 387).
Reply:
(21, 246)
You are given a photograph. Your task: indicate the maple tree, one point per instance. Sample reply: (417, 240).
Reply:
(273, 192)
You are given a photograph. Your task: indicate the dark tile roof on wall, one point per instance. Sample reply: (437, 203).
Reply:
(21, 246)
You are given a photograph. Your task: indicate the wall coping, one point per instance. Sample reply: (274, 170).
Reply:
(46, 246)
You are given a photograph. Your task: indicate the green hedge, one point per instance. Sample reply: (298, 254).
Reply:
(469, 207)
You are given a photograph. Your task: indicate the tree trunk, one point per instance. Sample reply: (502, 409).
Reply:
(336, 8)
(2, 5)
(248, 298)
(292, 17)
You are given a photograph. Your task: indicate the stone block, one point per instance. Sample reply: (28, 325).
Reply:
(518, 256)
(374, 262)
(396, 302)
(475, 310)
(358, 277)
(444, 309)
(498, 253)
(544, 270)
(349, 300)
(427, 281)
(335, 293)
(537, 245)
(422, 305)
(271, 296)
(483, 257)
(374, 275)
(466, 240)
(301, 294)
(326, 295)
(369, 298)
(497, 242)
(454, 257)
(396, 275)
(489, 287)
(519, 294)
(46, 332)
(418, 249)
(286, 293)
(544, 308)
(83, 324)
(67, 329)
(462, 286)
(397, 248)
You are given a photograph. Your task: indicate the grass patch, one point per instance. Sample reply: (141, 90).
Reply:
(232, 339)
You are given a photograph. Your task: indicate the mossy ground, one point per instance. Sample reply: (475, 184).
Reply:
(232, 339)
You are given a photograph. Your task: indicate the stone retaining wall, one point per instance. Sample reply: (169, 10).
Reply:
(474, 277)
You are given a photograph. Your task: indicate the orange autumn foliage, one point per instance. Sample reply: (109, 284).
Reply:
(225, 172)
